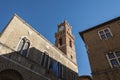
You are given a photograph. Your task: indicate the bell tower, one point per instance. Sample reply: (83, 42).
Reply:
(65, 40)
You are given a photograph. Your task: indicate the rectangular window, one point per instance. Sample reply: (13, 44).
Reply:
(105, 34)
(118, 54)
(45, 60)
(42, 59)
(114, 63)
(73, 76)
(60, 67)
(114, 59)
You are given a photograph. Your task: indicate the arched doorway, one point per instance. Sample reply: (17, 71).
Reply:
(10, 75)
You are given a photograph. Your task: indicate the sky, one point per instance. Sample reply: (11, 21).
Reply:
(45, 15)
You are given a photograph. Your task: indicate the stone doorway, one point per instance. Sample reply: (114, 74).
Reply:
(10, 75)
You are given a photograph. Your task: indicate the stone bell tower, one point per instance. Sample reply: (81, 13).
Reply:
(65, 40)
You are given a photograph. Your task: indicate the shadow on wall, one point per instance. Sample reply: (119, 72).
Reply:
(17, 65)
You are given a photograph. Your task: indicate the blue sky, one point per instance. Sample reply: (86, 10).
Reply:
(45, 15)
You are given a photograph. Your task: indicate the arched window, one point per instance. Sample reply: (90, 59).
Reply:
(70, 43)
(60, 41)
(24, 46)
(21, 44)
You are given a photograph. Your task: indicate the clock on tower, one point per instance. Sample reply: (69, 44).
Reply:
(61, 28)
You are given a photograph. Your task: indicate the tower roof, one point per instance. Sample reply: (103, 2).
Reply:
(64, 23)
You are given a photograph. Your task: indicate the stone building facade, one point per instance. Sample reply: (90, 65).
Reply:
(27, 55)
(103, 48)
